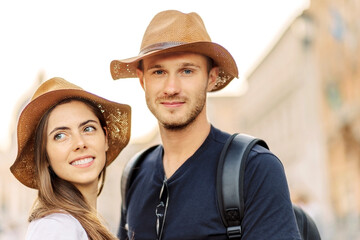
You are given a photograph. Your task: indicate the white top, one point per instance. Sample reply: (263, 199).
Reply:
(56, 226)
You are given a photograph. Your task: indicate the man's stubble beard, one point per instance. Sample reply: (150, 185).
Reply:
(183, 122)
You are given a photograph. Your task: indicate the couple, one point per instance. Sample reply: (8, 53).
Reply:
(67, 137)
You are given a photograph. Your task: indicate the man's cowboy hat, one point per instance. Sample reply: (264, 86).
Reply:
(174, 31)
(49, 93)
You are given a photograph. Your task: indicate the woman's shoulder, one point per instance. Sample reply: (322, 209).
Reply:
(56, 226)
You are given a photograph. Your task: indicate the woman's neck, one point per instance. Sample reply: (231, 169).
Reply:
(90, 194)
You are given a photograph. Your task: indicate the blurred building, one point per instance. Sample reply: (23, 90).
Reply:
(303, 98)
(337, 49)
(15, 199)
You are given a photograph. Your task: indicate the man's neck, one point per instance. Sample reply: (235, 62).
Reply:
(179, 145)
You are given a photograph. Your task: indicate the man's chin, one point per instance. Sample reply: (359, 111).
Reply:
(175, 126)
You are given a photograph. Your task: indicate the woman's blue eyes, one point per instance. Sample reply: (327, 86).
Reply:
(89, 129)
(60, 136)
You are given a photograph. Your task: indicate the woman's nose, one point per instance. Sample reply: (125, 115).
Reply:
(79, 142)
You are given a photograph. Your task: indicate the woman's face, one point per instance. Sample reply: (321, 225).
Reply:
(76, 144)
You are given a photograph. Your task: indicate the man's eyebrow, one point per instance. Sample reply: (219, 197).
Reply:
(185, 64)
(154, 66)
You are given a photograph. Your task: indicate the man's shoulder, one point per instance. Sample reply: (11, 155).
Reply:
(262, 159)
(218, 135)
(152, 153)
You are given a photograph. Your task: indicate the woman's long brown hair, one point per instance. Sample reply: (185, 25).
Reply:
(56, 195)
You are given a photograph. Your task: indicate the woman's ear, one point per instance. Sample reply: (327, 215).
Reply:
(106, 139)
(213, 75)
(47, 159)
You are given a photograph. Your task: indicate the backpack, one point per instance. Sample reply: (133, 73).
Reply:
(229, 186)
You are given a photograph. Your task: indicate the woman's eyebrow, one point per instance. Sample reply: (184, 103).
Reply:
(88, 121)
(58, 128)
(67, 128)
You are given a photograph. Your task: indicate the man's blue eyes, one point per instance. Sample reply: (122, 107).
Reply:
(186, 71)
(158, 72)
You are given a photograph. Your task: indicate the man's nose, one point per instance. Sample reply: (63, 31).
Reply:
(172, 85)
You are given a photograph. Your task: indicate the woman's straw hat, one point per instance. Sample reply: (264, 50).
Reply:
(174, 31)
(49, 93)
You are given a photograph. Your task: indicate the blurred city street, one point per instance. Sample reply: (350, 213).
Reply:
(299, 90)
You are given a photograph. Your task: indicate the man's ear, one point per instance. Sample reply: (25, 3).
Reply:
(213, 74)
(140, 75)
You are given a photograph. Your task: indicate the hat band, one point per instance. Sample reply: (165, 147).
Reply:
(160, 46)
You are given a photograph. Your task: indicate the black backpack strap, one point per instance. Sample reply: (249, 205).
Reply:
(307, 227)
(128, 173)
(230, 180)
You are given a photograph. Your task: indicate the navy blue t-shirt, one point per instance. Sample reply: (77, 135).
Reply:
(193, 211)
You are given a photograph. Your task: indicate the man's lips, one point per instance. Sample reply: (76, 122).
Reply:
(172, 103)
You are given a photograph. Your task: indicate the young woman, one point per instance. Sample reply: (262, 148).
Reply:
(66, 139)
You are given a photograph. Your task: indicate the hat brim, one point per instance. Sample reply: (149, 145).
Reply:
(222, 58)
(116, 115)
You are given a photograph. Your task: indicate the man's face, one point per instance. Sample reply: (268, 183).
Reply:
(175, 87)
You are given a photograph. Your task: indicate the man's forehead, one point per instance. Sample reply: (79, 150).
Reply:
(181, 58)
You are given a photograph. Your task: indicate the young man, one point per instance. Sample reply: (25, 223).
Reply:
(173, 195)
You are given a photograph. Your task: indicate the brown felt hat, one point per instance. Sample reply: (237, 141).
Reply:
(49, 93)
(174, 31)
